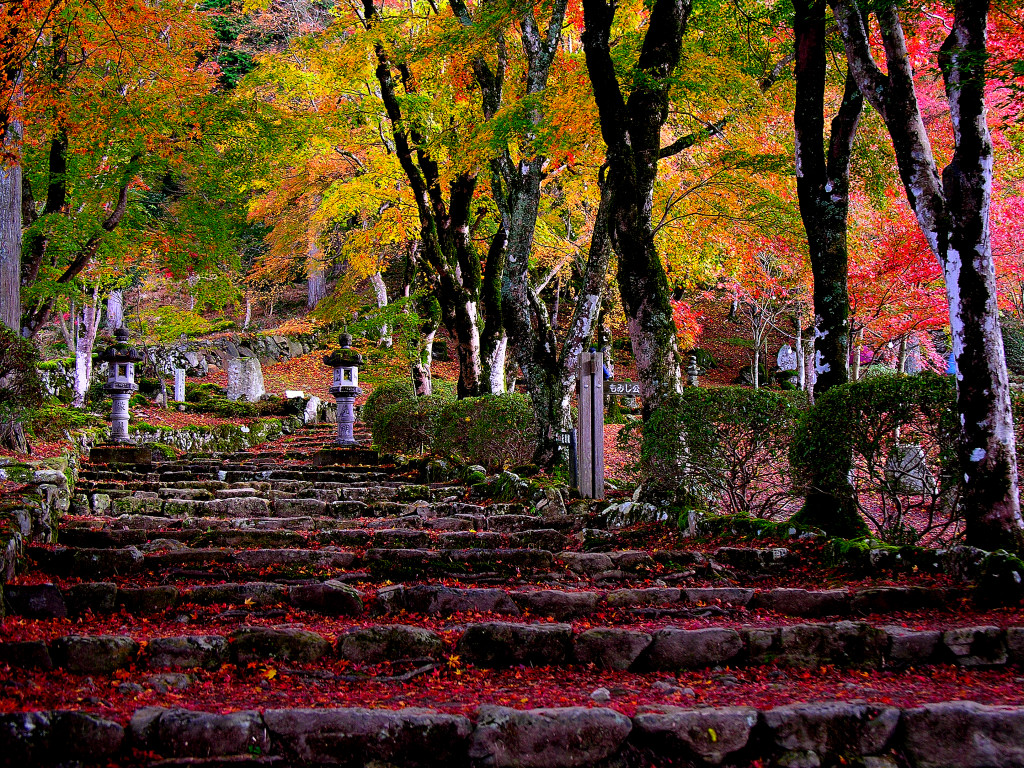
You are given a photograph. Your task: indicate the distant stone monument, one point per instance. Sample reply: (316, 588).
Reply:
(179, 385)
(245, 379)
(906, 470)
(786, 359)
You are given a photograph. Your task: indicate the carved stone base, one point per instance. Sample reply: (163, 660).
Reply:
(329, 457)
(121, 454)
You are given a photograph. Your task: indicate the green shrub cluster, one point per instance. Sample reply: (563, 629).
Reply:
(209, 398)
(719, 451)
(21, 388)
(495, 430)
(53, 421)
(849, 448)
(1013, 344)
(407, 426)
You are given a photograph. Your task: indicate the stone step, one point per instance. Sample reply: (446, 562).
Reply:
(933, 735)
(552, 599)
(505, 644)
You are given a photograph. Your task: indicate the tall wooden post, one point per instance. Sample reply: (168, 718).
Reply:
(590, 447)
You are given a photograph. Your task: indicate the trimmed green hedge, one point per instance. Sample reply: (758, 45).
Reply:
(719, 450)
(496, 431)
(847, 446)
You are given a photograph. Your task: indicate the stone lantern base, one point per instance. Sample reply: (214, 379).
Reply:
(340, 456)
(121, 454)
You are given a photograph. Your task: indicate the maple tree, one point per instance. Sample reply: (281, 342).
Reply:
(953, 211)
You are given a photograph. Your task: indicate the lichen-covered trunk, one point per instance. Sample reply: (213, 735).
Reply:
(822, 182)
(631, 128)
(115, 310)
(465, 324)
(493, 338)
(987, 446)
(10, 244)
(422, 383)
(86, 340)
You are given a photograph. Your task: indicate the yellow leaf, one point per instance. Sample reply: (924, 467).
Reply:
(270, 673)
(713, 735)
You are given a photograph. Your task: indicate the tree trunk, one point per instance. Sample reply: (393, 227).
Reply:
(10, 244)
(953, 213)
(10, 211)
(115, 310)
(755, 369)
(632, 132)
(823, 184)
(88, 325)
(380, 290)
(316, 279)
(422, 382)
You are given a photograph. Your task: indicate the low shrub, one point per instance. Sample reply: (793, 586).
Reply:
(54, 421)
(719, 451)
(407, 426)
(886, 445)
(384, 394)
(21, 388)
(495, 431)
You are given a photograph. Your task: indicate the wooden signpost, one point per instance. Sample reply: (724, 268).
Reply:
(590, 471)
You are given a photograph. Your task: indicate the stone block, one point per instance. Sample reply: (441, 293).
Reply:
(183, 733)
(611, 647)
(245, 379)
(499, 644)
(447, 601)
(964, 734)
(803, 602)
(96, 655)
(566, 737)
(910, 648)
(559, 605)
(331, 598)
(187, 652)
(97, 596)
(35, 601)
(673, 648)
(390, 642)
(843, 643)
(706, 736)
(262, 644)
(976, 646)
(412, 738)
(823, 733)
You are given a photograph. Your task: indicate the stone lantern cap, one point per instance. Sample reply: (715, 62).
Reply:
(120, 351)
(345, 356)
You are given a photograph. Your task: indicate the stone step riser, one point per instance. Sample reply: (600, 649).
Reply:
(932, 736)
(47, 601)
(501, 645)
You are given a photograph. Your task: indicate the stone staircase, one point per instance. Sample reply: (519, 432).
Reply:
(272, 607)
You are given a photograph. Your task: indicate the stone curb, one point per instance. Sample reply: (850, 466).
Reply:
(941, 735)
(49, 601)
(498, 644)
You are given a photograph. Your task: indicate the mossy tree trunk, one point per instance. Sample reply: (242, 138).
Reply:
(631, 129)
(953, 211)
(823, 184)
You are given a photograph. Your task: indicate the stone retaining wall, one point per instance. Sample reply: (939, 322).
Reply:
(32, 514)
(958, 733)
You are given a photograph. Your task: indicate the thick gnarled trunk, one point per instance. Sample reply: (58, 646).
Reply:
(632, 131)
(953, 212)
(823, 189)
(10, 241)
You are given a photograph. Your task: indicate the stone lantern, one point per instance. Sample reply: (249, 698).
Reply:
(120, 358)
(345, 386)
(693, 372)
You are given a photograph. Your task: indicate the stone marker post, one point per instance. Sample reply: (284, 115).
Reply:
(590, 450)
(179, 385)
